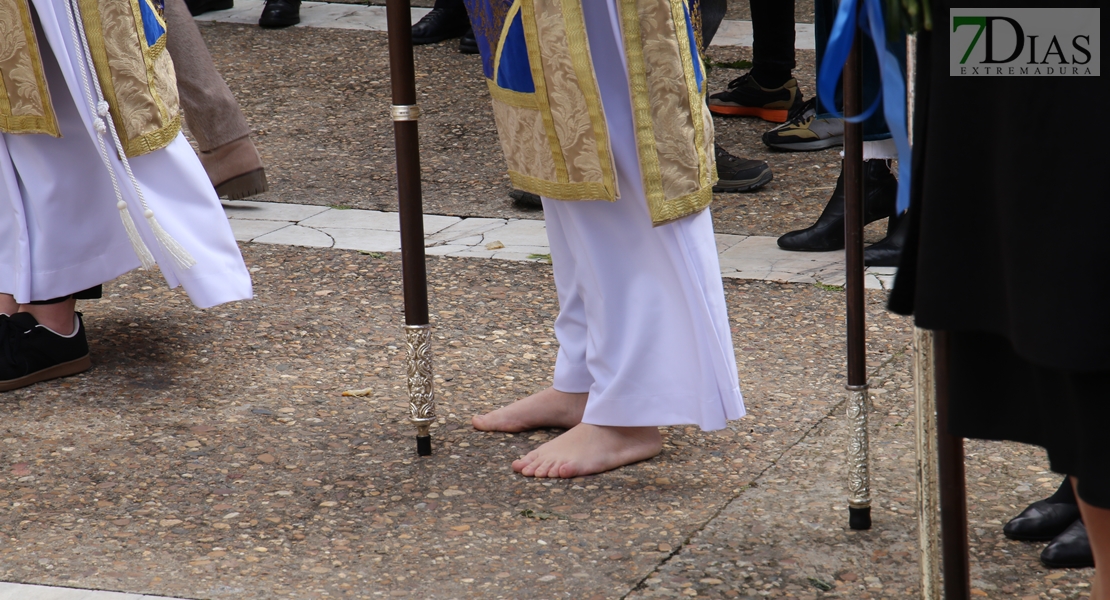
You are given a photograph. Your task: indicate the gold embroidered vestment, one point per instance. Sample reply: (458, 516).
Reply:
(127, 40)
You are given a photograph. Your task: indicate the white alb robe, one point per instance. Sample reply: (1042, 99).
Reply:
(643, 325)
(60, 229)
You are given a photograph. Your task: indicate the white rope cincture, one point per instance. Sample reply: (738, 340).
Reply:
(102, 123)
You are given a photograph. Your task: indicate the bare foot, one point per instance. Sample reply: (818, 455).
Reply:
(587, 449)
(549, 408)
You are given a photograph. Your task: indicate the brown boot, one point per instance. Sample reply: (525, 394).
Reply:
(235, 169)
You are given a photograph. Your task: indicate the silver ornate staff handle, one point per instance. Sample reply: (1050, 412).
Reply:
(859, 460)
(422, 399)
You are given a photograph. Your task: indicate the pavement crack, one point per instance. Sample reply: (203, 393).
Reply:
(838, 408)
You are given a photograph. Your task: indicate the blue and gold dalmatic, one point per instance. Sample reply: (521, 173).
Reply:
(548, 108)
(127, 40)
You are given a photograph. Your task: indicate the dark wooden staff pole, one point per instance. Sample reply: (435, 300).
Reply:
(405, 114)
(859, 476)
(953, 487)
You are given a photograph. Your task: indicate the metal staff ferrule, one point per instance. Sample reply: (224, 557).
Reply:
(404, 112)
(422, 398)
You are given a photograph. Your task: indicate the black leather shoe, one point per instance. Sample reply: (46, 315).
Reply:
(468, 44)
(199, 7)
(280, 13)
(526, 200)
(880, 189)
(438, 25)
(1041, 520)
(1070, 550)
(887, 251)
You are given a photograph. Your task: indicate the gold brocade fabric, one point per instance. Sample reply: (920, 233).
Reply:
(24, 98)
(556, 140)
(137, 79)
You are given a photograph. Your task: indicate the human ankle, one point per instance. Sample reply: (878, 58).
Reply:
(8, 305)
(59, 317)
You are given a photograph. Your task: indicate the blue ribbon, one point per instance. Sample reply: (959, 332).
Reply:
(870, 20)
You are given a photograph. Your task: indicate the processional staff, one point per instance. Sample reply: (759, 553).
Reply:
(418, 331)
(859, 468)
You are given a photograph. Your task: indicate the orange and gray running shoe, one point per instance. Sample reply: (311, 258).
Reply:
(746, 98)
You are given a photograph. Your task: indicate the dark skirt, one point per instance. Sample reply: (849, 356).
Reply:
(997, 395)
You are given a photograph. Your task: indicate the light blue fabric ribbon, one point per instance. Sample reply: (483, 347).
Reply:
(870, 20)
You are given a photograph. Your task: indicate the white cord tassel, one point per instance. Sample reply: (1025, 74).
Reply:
(177, 252)
(180, 256)
(137, 244)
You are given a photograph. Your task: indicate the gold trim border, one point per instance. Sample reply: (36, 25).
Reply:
(683, 206)
(695, 97)
(585, 190)
(581, 58)
(535, 58)
(641, 108)
(47, 122)
(510, 97)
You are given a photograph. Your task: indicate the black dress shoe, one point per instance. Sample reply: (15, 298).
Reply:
(887, 251)
(1070, 550)
(199, 7)
(468, 44)
(526, 200)
(438, 25)
(280, 13)
(738, 174)
(1041, 520)
(880, 189)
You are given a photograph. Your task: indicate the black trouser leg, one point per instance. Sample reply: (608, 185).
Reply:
(712, 13)
(773, 41)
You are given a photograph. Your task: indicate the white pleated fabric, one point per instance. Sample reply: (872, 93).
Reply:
(60, 229)
(643, 325)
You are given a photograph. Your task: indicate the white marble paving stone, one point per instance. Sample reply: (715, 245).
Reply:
(246, 230)
(373, 219)
(295, 235)
(366, 240)
(473, 226)
(323, 14)
(446, 250)
(313, 14)
(473, 252)
(372, 18)
(727, 240)
(524, 232)
(270, 211)
(20, 591)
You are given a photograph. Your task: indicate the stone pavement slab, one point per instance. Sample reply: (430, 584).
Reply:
(742, 257)
(18, 591)
(373, 18)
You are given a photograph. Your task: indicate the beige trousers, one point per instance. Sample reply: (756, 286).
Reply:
(211, 112)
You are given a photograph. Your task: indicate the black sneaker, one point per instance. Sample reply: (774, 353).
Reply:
(30, 353)
(746, 98)
(735, 174)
